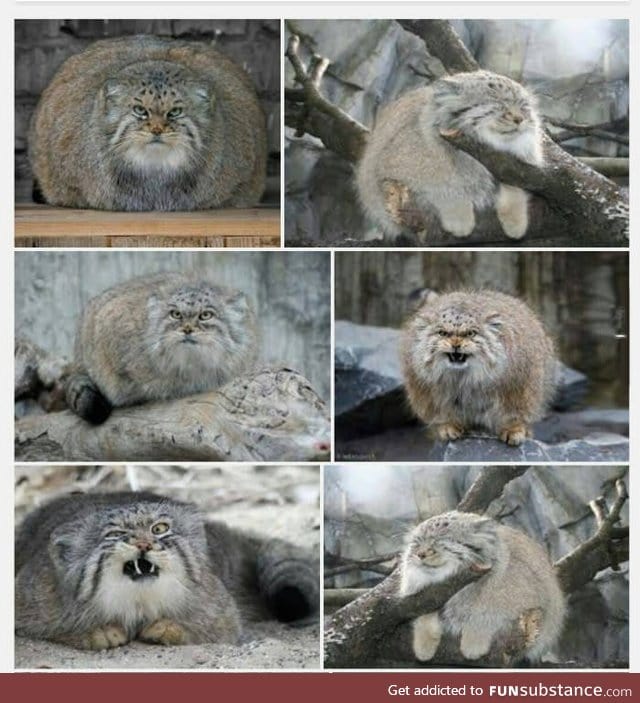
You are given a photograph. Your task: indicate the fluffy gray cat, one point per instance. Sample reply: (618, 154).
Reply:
(149, 123)
(97, 571)
(159, 337)
(519, 584)
(406, 148)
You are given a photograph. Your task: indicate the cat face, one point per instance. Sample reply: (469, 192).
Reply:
(132, 560)
(441, 546)
(452, 340)
(156, 116)
(494, 108)
(200, 321)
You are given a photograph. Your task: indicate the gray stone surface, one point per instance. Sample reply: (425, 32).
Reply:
(369, 508)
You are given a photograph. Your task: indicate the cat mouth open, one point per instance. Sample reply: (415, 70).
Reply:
(457, 358)
(140, 568)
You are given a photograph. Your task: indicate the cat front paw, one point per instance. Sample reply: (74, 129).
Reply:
(515, 434)
(449, 431)
(512, 208)
(427, 632)
(474, 644)
(106, 637)
(163, 631)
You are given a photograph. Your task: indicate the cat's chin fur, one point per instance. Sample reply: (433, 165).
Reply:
(155, 156)
(525, 144)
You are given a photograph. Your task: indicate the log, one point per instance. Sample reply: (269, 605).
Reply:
(269, 415)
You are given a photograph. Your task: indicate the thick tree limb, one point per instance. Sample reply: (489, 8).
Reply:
(601, 131)
(375, 629)
(268, 415)
(443, 42)
(488, 486)
(360, 564)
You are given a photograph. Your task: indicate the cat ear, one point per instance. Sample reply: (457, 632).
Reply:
(111, 88)
(203, 94)
(60, 544)
(419, 297)
(238, 302)
(494, 320)
(446, 87)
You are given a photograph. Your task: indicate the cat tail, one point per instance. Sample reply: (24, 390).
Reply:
(86, 399)
(288, 580)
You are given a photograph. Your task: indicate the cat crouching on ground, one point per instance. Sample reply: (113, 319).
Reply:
(406, 147)
(96, 571)
(149, 123)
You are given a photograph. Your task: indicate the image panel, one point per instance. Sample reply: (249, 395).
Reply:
(456, 133)
(474, 356)
(173, 356)
(167, 567)
(476, 566)
(147, 132)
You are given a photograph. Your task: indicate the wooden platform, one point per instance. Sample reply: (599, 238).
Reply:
(45, 226)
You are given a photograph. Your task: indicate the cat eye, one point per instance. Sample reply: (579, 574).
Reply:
(442, 333)
(206, 315)
(174, 112)
(471, 333)
(176, 314)
(114, 534)
(160, 528)
(140, 111)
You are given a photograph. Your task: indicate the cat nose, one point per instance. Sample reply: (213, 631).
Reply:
(187, 329)
(517, 118)
(143, 545)
(156, 128)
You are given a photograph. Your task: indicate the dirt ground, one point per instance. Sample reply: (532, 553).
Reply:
(278, 501)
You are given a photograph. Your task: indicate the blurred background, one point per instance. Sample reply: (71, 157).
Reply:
(290, 292)
(369, 508)
(41, 46)
(578, 69)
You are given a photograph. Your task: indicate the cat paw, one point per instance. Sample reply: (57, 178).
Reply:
(163, 631)
(514, 435)
(427, 632)
(450, 132)
(449, 431)
(512, 208)
(106, 637)
(457, 218)
(474, 645)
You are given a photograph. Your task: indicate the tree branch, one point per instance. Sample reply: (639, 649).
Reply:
(267, 415)
(443, 42)
(488, 486)
(308, 112)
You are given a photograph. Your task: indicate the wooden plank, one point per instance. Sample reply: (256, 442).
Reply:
(42, 225)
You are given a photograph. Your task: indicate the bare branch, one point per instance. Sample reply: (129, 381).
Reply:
(360, 564)
(443, 42)
(308, 112)
(573, 130)
(488, 486)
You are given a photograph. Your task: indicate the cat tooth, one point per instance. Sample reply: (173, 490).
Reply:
(152, 569)
(135, 563)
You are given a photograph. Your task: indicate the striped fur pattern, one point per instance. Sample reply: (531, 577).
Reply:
(477, 360)
(159, 337)
(97, 571)
(519, 583)
(406, 147)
